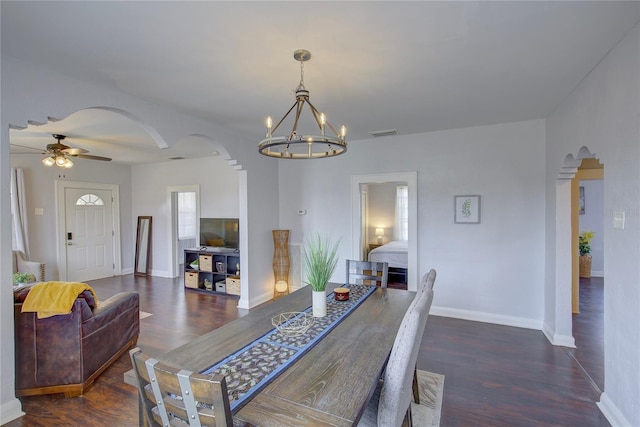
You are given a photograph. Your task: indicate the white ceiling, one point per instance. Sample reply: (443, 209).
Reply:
(410, 66)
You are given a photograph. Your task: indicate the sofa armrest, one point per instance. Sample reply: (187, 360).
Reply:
(115, 323)
(128, 299)
(112, 308)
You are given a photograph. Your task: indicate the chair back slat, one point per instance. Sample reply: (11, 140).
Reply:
(177, 397)
(367, 273)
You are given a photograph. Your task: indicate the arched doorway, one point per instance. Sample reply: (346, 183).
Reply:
(566, 285)
(95, 129)
(587, 215)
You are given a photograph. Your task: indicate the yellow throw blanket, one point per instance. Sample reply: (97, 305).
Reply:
(54, 298)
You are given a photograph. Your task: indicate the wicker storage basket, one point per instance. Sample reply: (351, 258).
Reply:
(233, 285)
(206, 262)
(191, 279)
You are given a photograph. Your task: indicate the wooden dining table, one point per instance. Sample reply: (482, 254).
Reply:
(331, 383)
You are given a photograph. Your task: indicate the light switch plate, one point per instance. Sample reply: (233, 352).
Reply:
(39, 211)
(618, 220)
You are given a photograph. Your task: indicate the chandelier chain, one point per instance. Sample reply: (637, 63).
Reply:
(301, 84)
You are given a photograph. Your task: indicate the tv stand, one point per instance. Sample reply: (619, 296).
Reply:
(217, 267)
(219, 249)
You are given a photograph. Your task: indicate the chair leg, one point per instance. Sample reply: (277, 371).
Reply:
(408, 418)
(416, 389)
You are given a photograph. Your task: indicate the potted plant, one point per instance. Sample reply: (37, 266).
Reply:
(320, 258)
(584, 247)
(195, 264)
(20, 279)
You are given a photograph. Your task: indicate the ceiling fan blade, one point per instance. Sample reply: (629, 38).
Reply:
(74, 151)
(36, 150)
(90, 157)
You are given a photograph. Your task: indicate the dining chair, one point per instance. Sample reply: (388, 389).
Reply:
(390, 405)
(367, 273)
(427, 282)
(173, 396)
(429, 279)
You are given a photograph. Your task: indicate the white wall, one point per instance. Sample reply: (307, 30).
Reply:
(603, 114)
(41, 193)
(492, 271)
(219, 197)
(593, 220)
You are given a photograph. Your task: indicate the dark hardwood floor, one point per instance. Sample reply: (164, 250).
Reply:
(588, 331)
(494, 375)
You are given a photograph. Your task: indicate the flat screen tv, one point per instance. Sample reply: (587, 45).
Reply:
(219, 232)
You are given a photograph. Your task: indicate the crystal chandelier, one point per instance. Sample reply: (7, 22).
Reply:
(299, 145)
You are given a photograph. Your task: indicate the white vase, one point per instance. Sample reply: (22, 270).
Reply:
(319, 303)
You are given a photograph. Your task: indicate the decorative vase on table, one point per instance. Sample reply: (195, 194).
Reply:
(320, 257)
(319, 303)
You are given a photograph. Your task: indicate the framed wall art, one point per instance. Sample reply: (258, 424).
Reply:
(466, 209)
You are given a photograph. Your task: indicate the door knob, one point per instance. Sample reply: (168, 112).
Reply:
(69, 243)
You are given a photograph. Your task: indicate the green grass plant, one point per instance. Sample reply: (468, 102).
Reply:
(320, 258)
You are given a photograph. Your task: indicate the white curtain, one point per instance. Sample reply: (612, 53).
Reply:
(20, 231)
(401, 231)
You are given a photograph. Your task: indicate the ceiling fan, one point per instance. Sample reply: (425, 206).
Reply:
(60, 154)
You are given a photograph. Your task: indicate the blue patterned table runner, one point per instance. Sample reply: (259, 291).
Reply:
(254, 366)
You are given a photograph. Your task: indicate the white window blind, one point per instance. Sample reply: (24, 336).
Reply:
(402, 213)
(186, 215)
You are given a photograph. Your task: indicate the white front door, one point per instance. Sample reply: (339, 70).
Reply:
(89, 234)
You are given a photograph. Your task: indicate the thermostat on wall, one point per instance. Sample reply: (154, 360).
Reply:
(618, 220)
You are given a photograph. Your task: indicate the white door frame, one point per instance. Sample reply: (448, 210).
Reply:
(61, 241)
(173, 221)
(411, 178)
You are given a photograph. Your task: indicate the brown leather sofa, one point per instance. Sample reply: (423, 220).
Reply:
(66, 353)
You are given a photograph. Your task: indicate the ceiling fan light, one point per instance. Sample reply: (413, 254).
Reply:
(60, 160)
(68, 163)
(48, 161)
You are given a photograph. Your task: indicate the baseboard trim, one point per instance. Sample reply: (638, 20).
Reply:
(478, 316)
(160, 273)
(259, 299)
(556, 339)
(611, 411)
(10, 410)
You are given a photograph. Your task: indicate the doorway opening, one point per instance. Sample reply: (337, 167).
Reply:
(587, 215)
(366, 233)
(185, 212)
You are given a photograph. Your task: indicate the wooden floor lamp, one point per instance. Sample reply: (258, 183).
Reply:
(280, 263)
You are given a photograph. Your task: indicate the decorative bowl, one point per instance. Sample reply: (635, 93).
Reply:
(292, 323)
(341, 294)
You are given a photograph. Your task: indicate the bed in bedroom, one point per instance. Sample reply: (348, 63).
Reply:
(395, 254)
